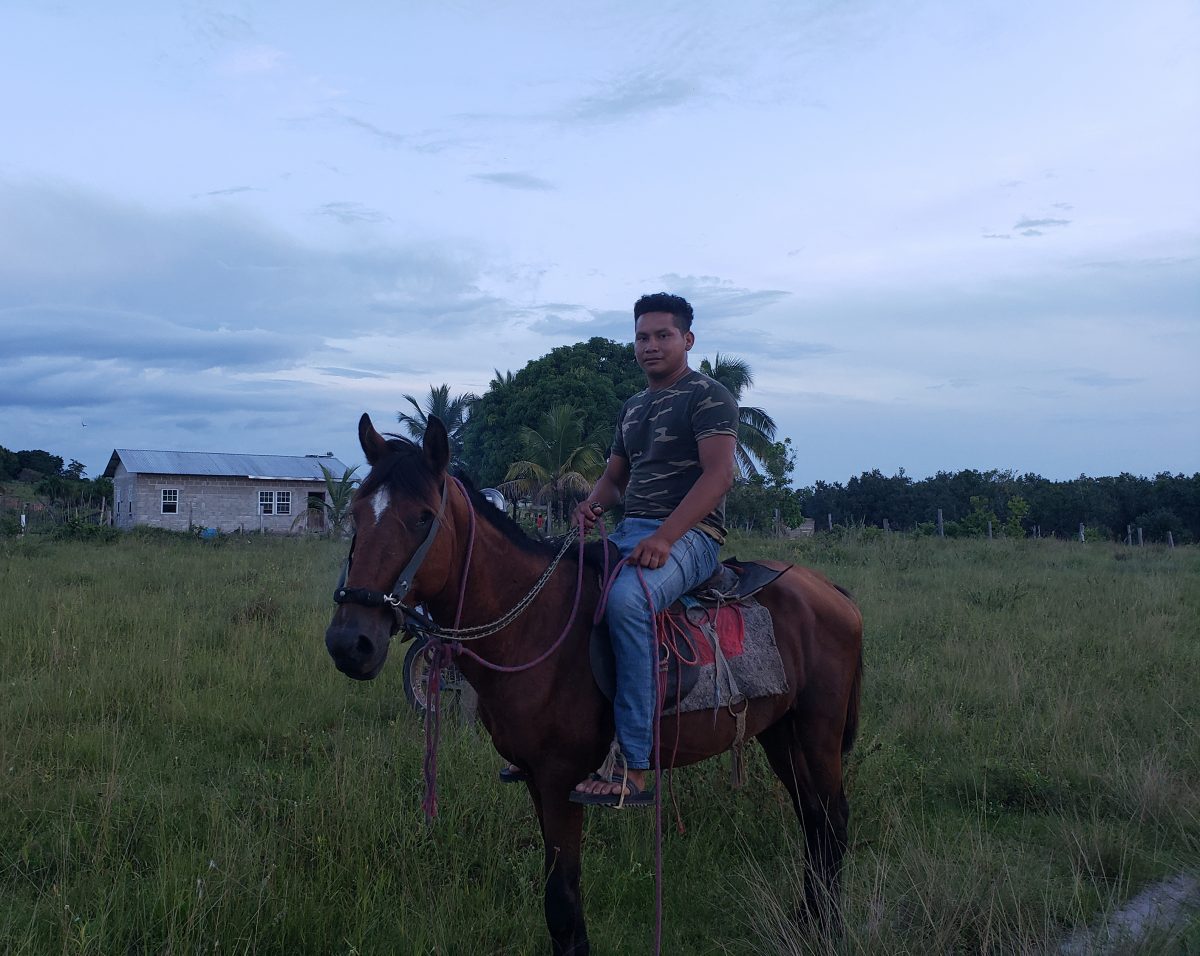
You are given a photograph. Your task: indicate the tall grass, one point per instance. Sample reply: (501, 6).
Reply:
(182, 770)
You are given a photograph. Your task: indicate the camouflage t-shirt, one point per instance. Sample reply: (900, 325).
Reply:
(658, 434)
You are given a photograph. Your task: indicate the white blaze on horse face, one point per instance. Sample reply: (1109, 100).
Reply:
(379, 502)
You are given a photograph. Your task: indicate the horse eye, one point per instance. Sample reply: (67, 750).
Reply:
(424, 519)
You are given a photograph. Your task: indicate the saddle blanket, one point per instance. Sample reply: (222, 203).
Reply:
(730, 649)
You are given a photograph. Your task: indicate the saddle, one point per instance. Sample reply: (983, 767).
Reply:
(703, 625)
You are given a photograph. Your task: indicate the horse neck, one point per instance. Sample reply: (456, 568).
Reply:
(500, 574)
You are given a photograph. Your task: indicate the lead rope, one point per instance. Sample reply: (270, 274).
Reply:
(441, 653)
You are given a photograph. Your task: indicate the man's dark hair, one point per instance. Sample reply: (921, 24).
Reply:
(676, 305)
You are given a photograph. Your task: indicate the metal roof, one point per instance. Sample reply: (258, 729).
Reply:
(303, 467)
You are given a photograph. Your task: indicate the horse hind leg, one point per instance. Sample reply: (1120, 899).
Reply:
(805, 754)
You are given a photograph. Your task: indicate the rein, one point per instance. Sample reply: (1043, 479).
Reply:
(423, 623)
(444, 644)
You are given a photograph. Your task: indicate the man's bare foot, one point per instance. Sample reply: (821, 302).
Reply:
(511, 773)
(613, 787)
(625, 789)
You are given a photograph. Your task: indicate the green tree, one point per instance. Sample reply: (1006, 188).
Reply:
(453, 410)
(44, 463)
(594, 377)
(10, 463)
(558, 465)
(756, 429)
(1016, 511)
(754, 501)
(335, 506)
(976, 523)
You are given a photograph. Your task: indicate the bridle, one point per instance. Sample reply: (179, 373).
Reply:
(367, 597)
(413, 621)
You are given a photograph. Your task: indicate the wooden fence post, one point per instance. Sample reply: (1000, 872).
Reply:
(1129, 534)
(1140, 537)
(1081, 535)
(941, 528)
(1170, 540)
(829, 520)
(887, 528)
(989, 531)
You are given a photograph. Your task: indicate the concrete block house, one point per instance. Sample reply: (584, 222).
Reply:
(181, 490)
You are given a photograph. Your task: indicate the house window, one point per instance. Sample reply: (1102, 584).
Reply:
(283, 502)
(170, 501)
(266, 502)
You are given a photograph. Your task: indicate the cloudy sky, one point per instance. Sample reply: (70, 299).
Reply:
(943, 234)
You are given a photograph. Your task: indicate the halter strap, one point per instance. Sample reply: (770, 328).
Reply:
(370, 598)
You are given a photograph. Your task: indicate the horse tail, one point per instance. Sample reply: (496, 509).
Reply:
(852, 707)
(851, 729)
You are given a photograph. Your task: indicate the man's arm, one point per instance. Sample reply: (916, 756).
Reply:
(606, 492)
(716, 478)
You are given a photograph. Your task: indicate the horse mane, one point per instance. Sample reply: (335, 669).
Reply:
(500, 520)
(406, 471)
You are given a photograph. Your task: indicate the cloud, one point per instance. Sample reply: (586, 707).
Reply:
(384, 137)
(215, 28)
(996, 235)
(144, 340)
(73, 252)
(1096, 379)
(255, 60)
(231, 191)
(515, 181)
(347, 372)
(1040, 223)
(956, 383)
(1032, 232)
(633, 96)
(780, 348)
(716, 299)
(1064, 206)
(351, 212)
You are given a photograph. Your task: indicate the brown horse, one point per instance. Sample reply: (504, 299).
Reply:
(552, 719)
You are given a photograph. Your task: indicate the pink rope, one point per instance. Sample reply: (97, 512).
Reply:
(441, 654)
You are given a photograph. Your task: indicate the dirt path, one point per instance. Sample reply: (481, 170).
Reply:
(1164, 907)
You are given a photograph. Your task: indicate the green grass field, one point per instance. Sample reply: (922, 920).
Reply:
(183, 771)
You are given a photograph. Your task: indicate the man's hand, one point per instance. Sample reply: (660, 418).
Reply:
(651, 552)
(588, 512)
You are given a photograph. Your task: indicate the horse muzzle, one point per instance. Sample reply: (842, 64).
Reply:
(355, 652)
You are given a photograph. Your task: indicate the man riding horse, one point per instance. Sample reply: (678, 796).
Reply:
(672, 461)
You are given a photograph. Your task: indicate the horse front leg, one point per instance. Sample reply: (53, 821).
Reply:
(562, 833)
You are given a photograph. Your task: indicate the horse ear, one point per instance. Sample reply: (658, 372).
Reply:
(374, 445)
(436, 444)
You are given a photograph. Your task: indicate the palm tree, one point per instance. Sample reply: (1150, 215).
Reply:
(502, 381)
(334, 506)
(559, 462)
(453, 411)
(756, 429)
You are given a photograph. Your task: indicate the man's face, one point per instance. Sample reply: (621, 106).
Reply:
(660, 348)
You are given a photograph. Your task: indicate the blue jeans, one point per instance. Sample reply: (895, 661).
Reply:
(631, 623)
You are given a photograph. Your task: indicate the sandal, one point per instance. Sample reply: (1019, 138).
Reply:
(629, 795)
(510, 773)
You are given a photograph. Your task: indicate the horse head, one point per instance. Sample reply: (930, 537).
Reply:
(396, 548)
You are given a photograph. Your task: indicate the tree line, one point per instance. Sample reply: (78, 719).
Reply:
(1014, 504)
(541, 434)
